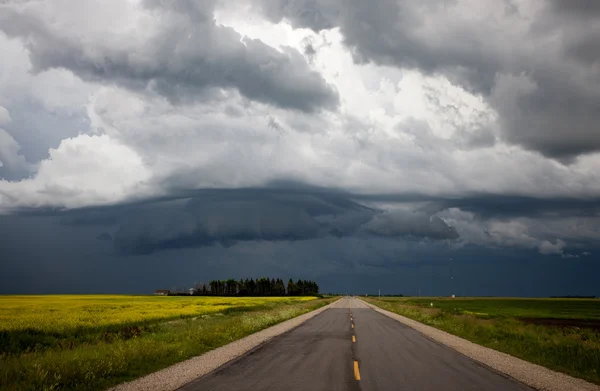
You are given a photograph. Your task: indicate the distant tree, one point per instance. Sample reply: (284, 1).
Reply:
(300, 287)
(291, 288)
(280, 287)
(231, 287)
(261, 289)
(262, 286)
(252, 291)
(243, 287)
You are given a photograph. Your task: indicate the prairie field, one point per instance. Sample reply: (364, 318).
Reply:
(91, 342)
(72, 313)
(560, 334)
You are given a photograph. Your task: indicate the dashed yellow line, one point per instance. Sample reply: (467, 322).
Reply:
(353, 338)
(352, 325)
(356, 371)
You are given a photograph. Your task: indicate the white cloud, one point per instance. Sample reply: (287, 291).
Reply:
(57, 90)
(548, 233)
(84, 170)
(552, 248)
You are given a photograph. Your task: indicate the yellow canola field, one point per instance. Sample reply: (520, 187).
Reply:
(64, 313)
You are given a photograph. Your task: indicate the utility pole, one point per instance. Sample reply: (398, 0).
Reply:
(451, 280)
(379, 292)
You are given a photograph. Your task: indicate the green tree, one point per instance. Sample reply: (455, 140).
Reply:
(291, 288)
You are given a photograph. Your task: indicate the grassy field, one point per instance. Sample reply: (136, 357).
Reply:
(90, 342)
(561, 334)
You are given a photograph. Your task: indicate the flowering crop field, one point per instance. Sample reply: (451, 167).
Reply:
(72, 313)
(91, 342)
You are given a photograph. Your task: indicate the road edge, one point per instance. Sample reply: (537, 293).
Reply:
(178, 375)
(533, 375)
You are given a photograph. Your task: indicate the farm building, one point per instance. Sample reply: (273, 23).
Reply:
(161, 292)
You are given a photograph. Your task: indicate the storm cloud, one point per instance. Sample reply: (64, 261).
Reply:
(397, 246)
(416, 224)
(181, 54)
(227, 217)
(535, 62)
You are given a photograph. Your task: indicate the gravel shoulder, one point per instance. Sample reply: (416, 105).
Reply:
(530, 374)
(180, 374)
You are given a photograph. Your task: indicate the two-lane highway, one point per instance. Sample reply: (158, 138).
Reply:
(352, 347)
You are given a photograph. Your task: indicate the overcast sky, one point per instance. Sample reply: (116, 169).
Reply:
(146, 144)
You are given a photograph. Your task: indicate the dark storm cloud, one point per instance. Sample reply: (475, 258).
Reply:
(226, 217)
(513, 206)
(187, 57)
(90, 218)
(104, 236)
(496, 206)
(67, 259)
(378, 31)
(289, 213)
(412, 223)
(586, 48)
(313, 14)
(287, 230)
(203, 222)
(578, 8)
(546, 102)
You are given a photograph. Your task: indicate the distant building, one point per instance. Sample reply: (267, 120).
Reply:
(192, 291)
(161, 292)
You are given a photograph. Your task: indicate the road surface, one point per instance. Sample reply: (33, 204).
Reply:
(352, 347)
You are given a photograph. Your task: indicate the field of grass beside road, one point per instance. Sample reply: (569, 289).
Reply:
(91, 342)
(560, 334)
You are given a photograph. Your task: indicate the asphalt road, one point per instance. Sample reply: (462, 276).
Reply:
(352, 347)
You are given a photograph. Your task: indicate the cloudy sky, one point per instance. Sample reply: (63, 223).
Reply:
(446, 147)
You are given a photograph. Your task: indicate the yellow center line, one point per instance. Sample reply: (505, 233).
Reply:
(356, 371)
(352, 325)
(353, 338)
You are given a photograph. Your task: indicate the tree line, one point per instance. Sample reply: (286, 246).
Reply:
(260, 287)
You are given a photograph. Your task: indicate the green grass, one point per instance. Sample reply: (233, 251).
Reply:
(517, 308)
(520, 327)
(130, 338)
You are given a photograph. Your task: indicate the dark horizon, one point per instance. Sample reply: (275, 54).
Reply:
(128, 248)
